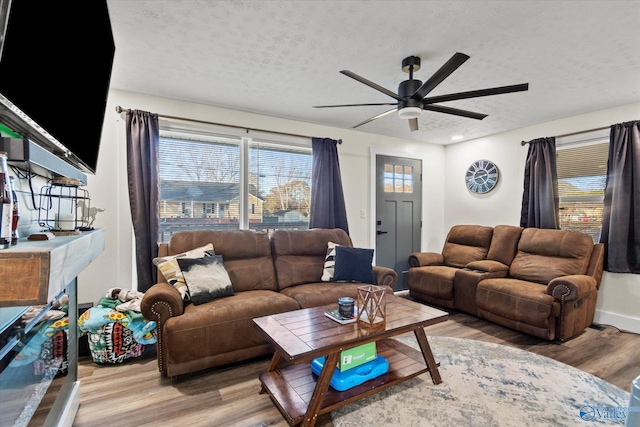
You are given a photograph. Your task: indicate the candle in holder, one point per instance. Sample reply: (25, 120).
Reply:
(65, 222)
(371, 306)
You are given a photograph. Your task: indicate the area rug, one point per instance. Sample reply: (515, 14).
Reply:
(487, 384)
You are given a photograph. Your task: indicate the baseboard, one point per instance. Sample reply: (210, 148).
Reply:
(624, 323)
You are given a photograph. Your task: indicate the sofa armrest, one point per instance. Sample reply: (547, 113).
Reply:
(385, 276)
(161, 302)
(421, 259)
(571, 288)
(489, 266)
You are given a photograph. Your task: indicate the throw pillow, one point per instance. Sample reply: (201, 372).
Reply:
(353, 265)
(329, 262)
(170, 269)
(206, 278)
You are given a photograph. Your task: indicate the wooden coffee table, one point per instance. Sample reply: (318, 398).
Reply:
(302, 335)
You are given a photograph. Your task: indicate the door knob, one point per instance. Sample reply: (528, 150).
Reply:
(378, 232)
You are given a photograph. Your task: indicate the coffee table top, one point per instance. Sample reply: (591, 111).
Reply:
(305, 334)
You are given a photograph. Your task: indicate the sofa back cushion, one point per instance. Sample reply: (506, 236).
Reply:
(546, 254)
(246, 255)
(299, 254)
(466, 243)
(504, 243)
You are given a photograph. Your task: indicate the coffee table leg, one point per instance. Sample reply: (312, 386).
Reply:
(428, 355)
(275, 362)
(320, 390)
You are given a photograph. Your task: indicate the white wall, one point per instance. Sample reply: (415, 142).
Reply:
(619, 295)
(108, 188)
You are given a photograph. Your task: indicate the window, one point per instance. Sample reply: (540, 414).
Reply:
(398, 179)
(202, 186)
(281, 177)
(208, 209)
(582, 170)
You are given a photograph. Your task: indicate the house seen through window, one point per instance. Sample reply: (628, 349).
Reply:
(206, 183)
(582, 171)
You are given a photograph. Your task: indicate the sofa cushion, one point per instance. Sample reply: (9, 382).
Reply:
(206, 278)
(171, 271)
(353, 265)
(433, 280)
(246, 254)
(517, 300)
(466, 243)
(221, 326)
(323, 293)
(504, 243)
(299, 255)
(545, 254)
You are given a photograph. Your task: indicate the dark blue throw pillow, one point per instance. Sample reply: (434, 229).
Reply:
(353, 265)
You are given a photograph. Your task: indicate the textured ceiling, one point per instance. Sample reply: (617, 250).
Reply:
(280, 58)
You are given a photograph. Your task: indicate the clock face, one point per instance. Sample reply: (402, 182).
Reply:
(482, 176)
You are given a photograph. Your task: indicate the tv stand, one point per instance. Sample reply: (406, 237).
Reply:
(36, 273)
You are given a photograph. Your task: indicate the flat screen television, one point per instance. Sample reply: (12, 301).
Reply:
(56, 59)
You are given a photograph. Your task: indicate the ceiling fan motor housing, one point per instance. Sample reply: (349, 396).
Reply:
(405, 90)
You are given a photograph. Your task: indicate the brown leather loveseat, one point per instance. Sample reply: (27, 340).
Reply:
(538, 281)
(269, 274)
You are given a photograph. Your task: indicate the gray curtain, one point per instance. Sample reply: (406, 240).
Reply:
(540, 199)
(328, 209)
(621, 214)
(143, 134)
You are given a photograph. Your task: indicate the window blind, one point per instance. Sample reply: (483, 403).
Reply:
(582, 171)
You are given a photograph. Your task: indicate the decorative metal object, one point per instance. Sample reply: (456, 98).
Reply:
(371, 306)
(59, 204)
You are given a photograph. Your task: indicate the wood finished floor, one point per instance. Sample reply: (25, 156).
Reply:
(134, 394)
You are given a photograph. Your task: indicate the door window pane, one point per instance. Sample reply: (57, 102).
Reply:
(388, 178)
(398, 178)
(408, 179)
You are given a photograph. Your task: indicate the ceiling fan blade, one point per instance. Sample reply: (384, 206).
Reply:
(455, 111)
(374, 118)
(354, 105)
(449, 67)
(476, 93)
(413, 125)
(371, 84)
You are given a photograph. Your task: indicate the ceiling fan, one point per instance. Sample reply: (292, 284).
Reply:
(412, 94)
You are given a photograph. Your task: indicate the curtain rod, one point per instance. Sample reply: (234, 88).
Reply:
(119, 110)
(573, 133)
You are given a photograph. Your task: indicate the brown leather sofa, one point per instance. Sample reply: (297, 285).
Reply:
(269, 273)
(541, 282)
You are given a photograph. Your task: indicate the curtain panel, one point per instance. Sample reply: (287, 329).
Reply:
(540, 198)
(328, 209)
(621, 213)
(143, 135)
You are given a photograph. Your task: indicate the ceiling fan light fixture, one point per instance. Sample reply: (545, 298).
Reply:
(410, 112)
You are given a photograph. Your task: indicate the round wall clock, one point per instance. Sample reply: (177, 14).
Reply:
(482, 176)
